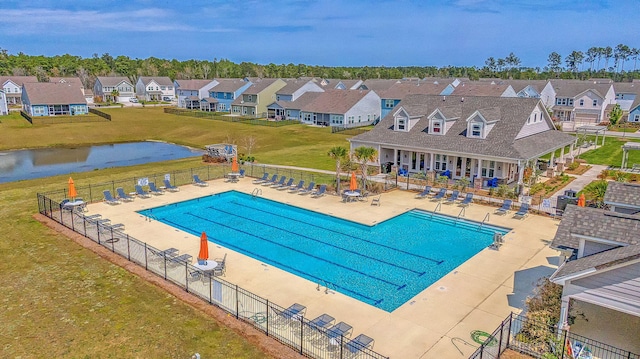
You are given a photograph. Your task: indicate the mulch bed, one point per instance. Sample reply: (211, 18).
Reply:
(267, 344)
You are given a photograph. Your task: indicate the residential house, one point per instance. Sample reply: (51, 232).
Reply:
(157, 88)
(291, 110)
(53, 99)
(114, 88)
(338, 84)
(190, 92)
(255, 98)
(626, 95)
(577, 103)
(483, 89)
(342, 108)
(478, 138)
(12, 87)
(291, 92)
(393, 95)
(223, 94)
(378, 85)
(634, 111)
(523, 88)
(4, 109)
(600, 267)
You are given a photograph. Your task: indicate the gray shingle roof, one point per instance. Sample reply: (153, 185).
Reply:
(112, 81)
(53, 93)
(479, 89)
(626, 194)
(292, 86)
(302, 101)
(402, 89)
(160, 80)
(259, 86)
(379, 84)
(335, 101)
(572, 88)
(598, 261)
(595, 223)
(499, 143)
(519, 85)
(18, 80)
(193, 85)
(228, 85)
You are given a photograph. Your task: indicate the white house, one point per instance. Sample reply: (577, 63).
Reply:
(578, 103)
(4, 110)
(106, 87)
(157, 88)
(342, 108)
(190, 92)
(12, 87)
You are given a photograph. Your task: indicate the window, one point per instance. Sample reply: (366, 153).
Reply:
(581, 102)
(636, 117)
(307, 117)
(488, 168)
(389, 103)
(441, 162)
(535, 117)
(277, 97)
(436, 127)
(163, 88)
(595, 103)
(402, 124)
(222, 107)
(570, 102)
(359, 118)
(39, 110)
(476, 130)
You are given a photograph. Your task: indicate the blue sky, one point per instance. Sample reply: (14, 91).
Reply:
(319, 32)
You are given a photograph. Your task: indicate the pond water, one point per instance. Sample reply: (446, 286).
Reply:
(45, 162)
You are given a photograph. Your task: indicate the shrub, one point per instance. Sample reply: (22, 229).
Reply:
(574, 165)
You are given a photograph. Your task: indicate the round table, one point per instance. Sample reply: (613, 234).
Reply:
(351, 195)
(210, 265)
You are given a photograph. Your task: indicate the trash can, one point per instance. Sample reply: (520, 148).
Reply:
(571, 193)
(563, 201)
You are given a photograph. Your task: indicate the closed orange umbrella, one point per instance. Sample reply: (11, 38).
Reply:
(234, 165)
(581, 200)
(72, 189)
(353, 184)
(204, 247)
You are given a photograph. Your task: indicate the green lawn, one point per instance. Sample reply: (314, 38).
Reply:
(61, 299)
(610, 154)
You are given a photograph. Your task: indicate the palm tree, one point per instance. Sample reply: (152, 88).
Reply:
(114, 95)
(338, 153)
(595, 191)
(364, 155)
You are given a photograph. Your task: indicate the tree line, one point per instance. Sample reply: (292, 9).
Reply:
(595, 62)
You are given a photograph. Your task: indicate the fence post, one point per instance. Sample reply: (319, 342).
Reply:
(237, 303)
(301, 333)
(84, 226)
(164, 257)
(128, 248)
(500, 340)
(73, 226)
(564, 344)
(186, 276)
(267, 317)
(146, 266)
(98, 231)
(90, 194)
(509, 336)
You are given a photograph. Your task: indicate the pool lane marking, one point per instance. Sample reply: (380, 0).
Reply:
(420, 274)
(437, 261)
(296, 250)
(280, 264)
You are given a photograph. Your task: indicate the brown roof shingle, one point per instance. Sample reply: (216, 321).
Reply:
(53, 93)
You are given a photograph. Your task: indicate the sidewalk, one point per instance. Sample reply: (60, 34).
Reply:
(582, 180)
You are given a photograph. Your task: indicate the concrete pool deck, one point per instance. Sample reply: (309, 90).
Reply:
(477, 295)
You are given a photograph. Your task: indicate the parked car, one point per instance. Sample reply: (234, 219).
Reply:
(133, 99)
(168, 99)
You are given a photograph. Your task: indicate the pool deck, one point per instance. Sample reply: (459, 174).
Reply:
(477, 295)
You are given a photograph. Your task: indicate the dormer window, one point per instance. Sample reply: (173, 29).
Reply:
(476, 129)
(436, 127)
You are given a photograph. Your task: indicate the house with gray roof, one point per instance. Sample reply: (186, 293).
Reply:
(483, 89)
(114, 88)
(600, 257)
(342, 108)
(4, 109)
(12, 87)
(255, 98)
(190, 92)
(338, 84)
(478, 138)
(290, 93)
(291, 110)
(156, 88)
(523, 88)
(53, 99)
(222, 95)
(634, 111)
(390, 97)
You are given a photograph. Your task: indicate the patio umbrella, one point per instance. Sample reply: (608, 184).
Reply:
(581, 200)
(203, 255)
(353, 184)
(72, 189)
(234, 165)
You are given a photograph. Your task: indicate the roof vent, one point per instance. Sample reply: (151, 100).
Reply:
(462, 99)
(444, 98)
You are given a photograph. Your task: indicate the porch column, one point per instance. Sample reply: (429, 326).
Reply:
(395, 157)
(477, 181)
(604, 134)
(520, 177)
(624, 158)
(563, 324)
(433, 162)
(552, 158)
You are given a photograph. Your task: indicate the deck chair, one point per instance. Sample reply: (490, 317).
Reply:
(285, 186)
(169, 187)
(440, 195)
(334, 333)
(279, 183)
(198, 182)
(354, 346)
(467, 200)
(123, 196)
(181, 259)
(506, 206)
(376, 201)
(453, 198)
(273, 180)
(522, 212)
(293, 312)
(221, 268)
(425, 193)
(109, 198)
(262, 179)
(307, 190)
(295, 188)
(320, 192)
(140, 192)
(154, 190)
(323, 321)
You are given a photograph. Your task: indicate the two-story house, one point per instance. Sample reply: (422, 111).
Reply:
(600, 267)
(255, 99)
(4, 109)
(190, 92)
(53, 99)
(338, 84)
(114, 88)
(483, 89)
(634, 111)
(342, 108)
(12, 87)
(479, 138)
(578, 103)
(158, 88)
(222, 95)
(282, 108)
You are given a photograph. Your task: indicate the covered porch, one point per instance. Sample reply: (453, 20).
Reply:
(208, 104)
(192, 103)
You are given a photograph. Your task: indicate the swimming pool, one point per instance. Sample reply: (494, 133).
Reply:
(384, 265)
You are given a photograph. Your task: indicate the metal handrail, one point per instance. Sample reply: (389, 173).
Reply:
(486, 219)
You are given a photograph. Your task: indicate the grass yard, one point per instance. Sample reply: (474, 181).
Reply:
(61, 300)
(611, 153)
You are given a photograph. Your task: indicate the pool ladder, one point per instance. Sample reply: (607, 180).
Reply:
(438, 207)
(461, 214)
(256, 192)
(326, 286)
(486, 219)
(151, 217)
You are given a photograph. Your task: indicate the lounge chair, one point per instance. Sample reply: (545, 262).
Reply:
(440, 195)
(307, 190)
(506, 206)
(357, 344)
(286, 185)
(123, 196)
(522, 212)
(425, 193)
(293, 188)
(467, 200)
(294, 312)
(271, 181)
(198, 182)
(323, 321)
(181, 259)
(376, 201)
(279, 183)
(453, 198)
(169, 187)
(221, 268)
(140, 192)
(109, 198)
(261, 180)
(320, 192)
(337, 331)
(154, 190)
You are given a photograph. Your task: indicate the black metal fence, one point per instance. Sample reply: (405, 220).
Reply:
(296, 332)
(26, 116)
(540, 340)
(226, 118)
(100, 113)
(350, 130)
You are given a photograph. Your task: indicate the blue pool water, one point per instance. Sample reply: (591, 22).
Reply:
(384, 265)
